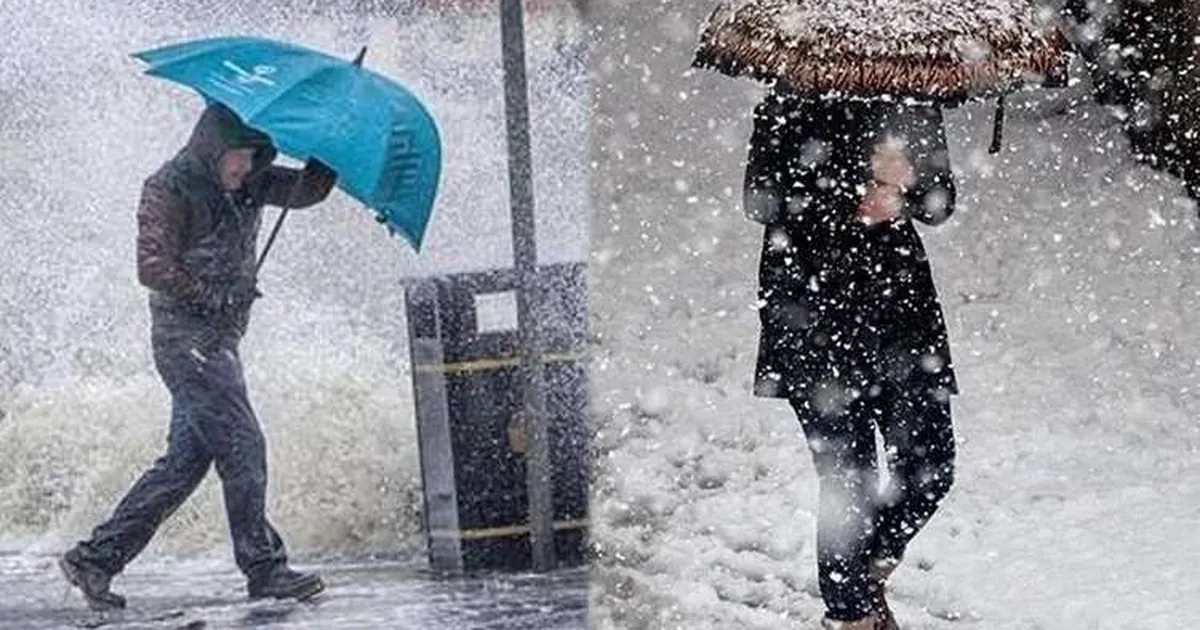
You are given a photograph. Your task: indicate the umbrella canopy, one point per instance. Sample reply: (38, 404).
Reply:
(373, 132)
(947, 49)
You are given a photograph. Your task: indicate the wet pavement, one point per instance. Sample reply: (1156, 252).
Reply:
(196, 594)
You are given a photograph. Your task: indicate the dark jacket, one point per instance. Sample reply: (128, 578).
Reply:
(196, 243)
(845, 307)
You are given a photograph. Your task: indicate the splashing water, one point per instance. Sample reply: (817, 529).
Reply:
(82, 412)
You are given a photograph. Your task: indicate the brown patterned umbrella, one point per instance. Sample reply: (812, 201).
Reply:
(945, 49)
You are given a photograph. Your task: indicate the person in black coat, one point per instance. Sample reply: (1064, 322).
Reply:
(852, 333)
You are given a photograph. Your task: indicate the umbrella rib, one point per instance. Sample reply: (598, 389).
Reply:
(214, 46)
(210, 47)
(207, 50)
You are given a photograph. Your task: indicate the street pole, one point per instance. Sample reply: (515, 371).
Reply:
(520, 183)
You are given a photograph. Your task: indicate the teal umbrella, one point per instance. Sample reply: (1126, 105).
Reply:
(374, 133)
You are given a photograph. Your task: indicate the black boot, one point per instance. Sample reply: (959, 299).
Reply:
(284, 583)
(91, 580)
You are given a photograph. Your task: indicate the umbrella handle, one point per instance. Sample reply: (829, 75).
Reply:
(291, 200)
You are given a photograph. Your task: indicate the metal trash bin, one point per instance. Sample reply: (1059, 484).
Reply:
(465, 358)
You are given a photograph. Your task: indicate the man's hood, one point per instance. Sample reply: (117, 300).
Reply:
(219, 130)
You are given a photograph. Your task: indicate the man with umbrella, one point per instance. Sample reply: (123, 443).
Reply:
(198, 226)
(847, 149)
(198, 223)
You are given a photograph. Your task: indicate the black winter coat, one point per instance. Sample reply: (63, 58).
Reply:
(845, 307)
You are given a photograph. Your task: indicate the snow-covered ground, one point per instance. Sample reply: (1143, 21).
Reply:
(1069, 280)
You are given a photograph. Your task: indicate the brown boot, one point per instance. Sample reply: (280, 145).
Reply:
(870, 622)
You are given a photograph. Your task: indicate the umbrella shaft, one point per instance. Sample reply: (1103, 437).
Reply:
(291, 200)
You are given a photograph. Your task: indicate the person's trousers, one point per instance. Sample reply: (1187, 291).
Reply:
(859, 522)
(212, 422)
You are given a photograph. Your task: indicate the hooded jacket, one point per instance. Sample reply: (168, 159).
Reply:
(196, 243)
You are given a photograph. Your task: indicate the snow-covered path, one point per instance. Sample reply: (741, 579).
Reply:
(1069, 280)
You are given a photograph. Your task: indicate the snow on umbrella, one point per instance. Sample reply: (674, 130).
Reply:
(942, 49)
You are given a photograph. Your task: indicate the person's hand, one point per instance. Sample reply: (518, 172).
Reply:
(890, 166)
(881, 204)
(892, 173)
